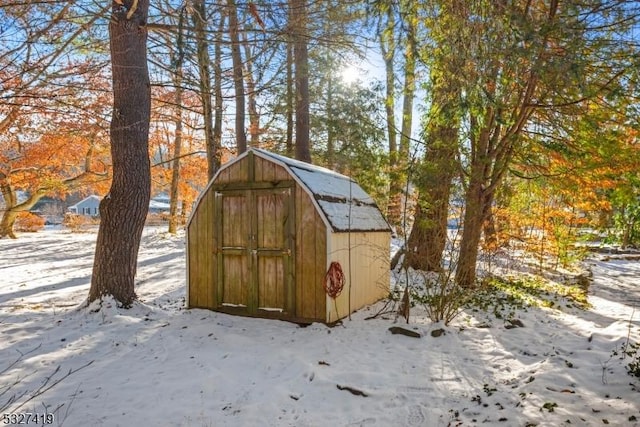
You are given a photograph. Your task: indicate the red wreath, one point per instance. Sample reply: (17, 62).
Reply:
(334, 280)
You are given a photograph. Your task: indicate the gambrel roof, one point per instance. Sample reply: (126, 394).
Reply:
(332, 192)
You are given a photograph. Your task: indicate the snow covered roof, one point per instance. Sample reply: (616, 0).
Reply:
(157, 205)
(93, 199)
(332, 192)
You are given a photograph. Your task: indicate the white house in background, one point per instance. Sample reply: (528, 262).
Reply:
(89, 206)
(158, 205)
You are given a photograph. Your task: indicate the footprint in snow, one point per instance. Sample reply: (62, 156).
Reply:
(416, 416)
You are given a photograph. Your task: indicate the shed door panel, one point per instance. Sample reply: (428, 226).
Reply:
(272, 248)
(235, 234)
(255, 262)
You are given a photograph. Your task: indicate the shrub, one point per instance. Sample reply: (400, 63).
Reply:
(29, 222)
(632, 350)
(76, 222)
(157, 219)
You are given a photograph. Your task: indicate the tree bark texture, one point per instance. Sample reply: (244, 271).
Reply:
(289, 101)
(204, 75)
(217, 90)
(388, 48)
(124, 209)
(238, 79)
(471, 232)
(178, 61)
(428, 236)
(9, 216)
(252, 94)
(301, 62)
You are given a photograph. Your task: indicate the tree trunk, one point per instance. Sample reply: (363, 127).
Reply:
(301, 61)
(238, 81)
(409, 87)
(428, 236)
(289, 103)
(13, 208)
(124, 209)
(409, 12)
(471, 233)
(252, 104)
(388, 48)
(177, 142)
(217, 89)
(329, 112)
(6, 224)
(204, 74)
(8, 217)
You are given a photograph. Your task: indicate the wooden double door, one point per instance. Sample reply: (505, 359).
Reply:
(255, 250)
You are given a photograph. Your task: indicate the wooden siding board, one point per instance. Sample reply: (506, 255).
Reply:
(281, 174)
(271, 207)
(301, 253)
(200, 277)
(194, 252)
(235, 288)
(320, 265)
(308, 260)
(238, 171)
(218, 279)
(289, 265)
(258, 167)
(271, 285)
(223, 177)
(236, 229)
(207, 259)
(266, 171)
(370, 274)
(270, 172)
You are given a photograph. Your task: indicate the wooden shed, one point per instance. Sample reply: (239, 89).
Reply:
(265, 231)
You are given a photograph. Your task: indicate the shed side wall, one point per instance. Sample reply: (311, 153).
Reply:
(201, 261)
(370, 276)
(311, 259)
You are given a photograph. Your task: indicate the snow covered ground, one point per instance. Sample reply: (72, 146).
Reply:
(159, 364)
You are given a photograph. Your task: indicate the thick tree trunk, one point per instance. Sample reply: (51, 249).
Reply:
(428, 236)
(8, 216)
(238, 81)
(124, 209)
(13, 207)
(204, 74)
(7, 222)
(471, 228)
(301, 61)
